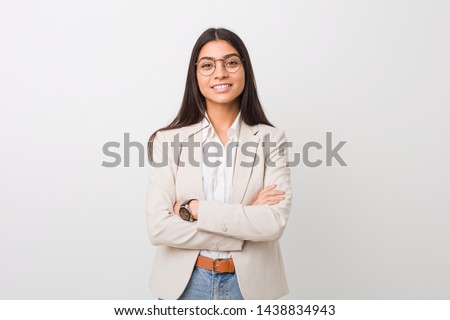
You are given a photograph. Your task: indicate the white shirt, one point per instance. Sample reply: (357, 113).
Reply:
(218, 178)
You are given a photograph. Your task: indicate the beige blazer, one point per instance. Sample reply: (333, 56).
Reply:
(250, 232)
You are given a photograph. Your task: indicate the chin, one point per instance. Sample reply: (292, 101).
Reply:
(222, 101)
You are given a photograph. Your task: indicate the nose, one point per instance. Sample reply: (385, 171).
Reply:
(220, 71)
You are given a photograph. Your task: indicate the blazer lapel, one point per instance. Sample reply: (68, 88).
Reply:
(195, 169)
(243, 165)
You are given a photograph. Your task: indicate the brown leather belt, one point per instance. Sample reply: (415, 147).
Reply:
(217, 265)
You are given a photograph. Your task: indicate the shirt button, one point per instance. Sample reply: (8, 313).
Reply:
(224, 228)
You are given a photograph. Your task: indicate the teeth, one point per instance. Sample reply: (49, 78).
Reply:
(221, 86)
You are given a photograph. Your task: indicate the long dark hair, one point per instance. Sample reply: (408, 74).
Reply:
(193, 106)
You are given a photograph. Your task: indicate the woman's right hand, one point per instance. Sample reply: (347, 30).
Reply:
(269, 196)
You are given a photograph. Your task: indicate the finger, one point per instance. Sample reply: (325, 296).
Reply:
(275, 198)
(274, 193)
(267, 189)
(270, 187)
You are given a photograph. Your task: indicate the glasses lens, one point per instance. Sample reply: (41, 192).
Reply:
(206, 67)
(233, 64)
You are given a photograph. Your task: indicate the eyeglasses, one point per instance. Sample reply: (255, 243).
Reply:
(206, 66)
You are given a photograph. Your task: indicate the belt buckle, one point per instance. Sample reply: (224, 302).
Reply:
(215, 264)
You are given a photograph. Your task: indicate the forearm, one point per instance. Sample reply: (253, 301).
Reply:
(253, 223)
(173, 232)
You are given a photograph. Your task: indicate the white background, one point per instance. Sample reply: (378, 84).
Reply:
(75, 75)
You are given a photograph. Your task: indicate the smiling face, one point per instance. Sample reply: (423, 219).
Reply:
(221, 88)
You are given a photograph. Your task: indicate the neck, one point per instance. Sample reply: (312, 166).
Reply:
(222, 116)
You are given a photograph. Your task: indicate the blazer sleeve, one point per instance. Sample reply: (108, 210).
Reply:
(254, 223)
(163, 225)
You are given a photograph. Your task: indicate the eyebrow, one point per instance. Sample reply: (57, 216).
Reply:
(224, 57)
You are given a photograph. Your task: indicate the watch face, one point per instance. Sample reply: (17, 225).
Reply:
(185, 214)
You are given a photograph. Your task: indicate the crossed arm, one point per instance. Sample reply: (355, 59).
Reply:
(219, 226)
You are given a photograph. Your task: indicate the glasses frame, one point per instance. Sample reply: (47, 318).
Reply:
(223, 60)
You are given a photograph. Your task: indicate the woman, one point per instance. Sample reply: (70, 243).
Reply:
(219, 191)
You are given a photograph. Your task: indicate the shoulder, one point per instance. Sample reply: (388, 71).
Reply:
(264, 130)
(179, 134)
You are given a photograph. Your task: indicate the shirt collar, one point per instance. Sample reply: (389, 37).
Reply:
(209, 132)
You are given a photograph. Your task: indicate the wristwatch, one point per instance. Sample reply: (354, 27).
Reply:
(185, 212)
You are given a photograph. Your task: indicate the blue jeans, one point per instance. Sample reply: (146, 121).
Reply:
(208, 285)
